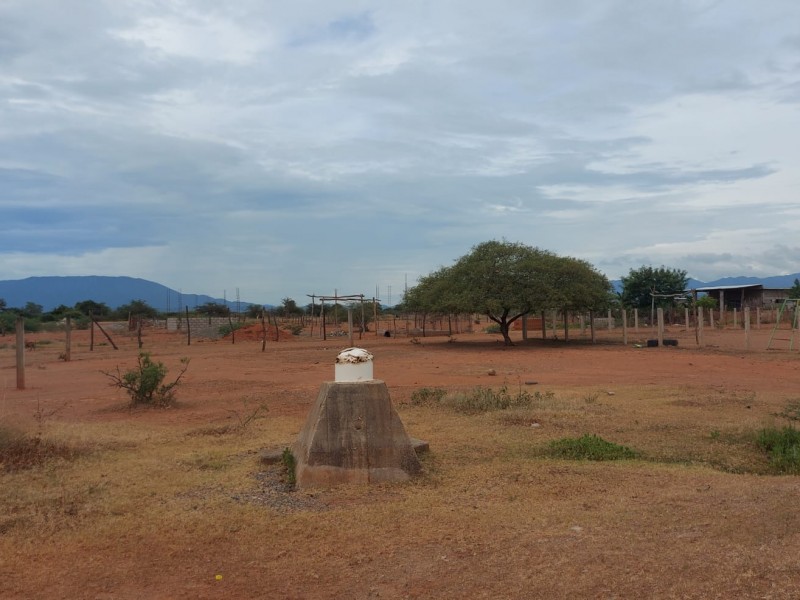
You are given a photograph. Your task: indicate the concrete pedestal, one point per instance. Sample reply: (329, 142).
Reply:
(353, 435)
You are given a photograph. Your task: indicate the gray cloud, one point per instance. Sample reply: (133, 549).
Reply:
(303, 148)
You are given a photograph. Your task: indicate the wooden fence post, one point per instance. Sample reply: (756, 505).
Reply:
(103, 331)
(660, 312)
(68, 340)
(700, 325)
(20, 353)
(624, 327)
(747, 328)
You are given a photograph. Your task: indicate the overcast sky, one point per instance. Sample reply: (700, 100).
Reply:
(290, 148)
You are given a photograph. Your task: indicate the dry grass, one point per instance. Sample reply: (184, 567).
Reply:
(157, 504)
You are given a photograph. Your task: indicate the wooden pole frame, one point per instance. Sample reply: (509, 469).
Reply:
(335, 299)
(103, 331)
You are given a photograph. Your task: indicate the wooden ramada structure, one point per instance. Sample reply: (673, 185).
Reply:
(740, 296)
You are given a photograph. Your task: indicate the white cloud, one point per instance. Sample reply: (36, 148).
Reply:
(211, 145)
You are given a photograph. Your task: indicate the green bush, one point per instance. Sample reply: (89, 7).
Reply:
(493, 328)
(294, 328)
(588, 447)
(145, 383)
(783, 448)
(290, 465)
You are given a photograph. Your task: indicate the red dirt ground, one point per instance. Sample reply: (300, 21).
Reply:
(669, 539)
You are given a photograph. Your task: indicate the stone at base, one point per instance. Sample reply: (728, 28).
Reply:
(353, 435)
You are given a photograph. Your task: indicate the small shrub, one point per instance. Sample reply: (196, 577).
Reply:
(493, 328)
(591, 398)
(481, 400)
(289, 464)
(295, 329)
(783, 448)
(478, 400)
(588, 447)
(251, 414)
(427, 396)
(145, 384)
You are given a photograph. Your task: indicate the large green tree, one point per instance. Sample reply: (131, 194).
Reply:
(506, 281)
(136, 308)
(647, 286)
(213, 309)
(90, 307)
(288, 308)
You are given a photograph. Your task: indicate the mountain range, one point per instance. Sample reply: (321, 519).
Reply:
(50, 292)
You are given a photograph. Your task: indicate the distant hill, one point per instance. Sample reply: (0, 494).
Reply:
(112, 291)
(776, 282)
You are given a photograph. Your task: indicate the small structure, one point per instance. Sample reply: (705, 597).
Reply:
(353, 433)
(741, 296)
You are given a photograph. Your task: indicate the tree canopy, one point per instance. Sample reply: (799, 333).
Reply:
(506, 281)
(288, 308)
(794, 291)
(642, 286)
(213, 309)
(90, 307)
(137, 308)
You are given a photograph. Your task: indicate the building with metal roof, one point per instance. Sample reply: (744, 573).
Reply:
(739, 296)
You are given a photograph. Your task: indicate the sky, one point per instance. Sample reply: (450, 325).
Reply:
(294, 148)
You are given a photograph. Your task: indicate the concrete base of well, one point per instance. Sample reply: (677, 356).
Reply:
(353, 435)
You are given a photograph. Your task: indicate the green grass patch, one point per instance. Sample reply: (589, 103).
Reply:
(588, 447)
(782, 447)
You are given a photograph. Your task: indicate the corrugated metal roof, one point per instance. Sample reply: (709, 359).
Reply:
(715, 288)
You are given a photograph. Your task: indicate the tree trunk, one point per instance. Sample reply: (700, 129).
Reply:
(504, 327)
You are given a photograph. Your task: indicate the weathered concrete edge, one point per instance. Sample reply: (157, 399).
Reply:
(273, 456)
